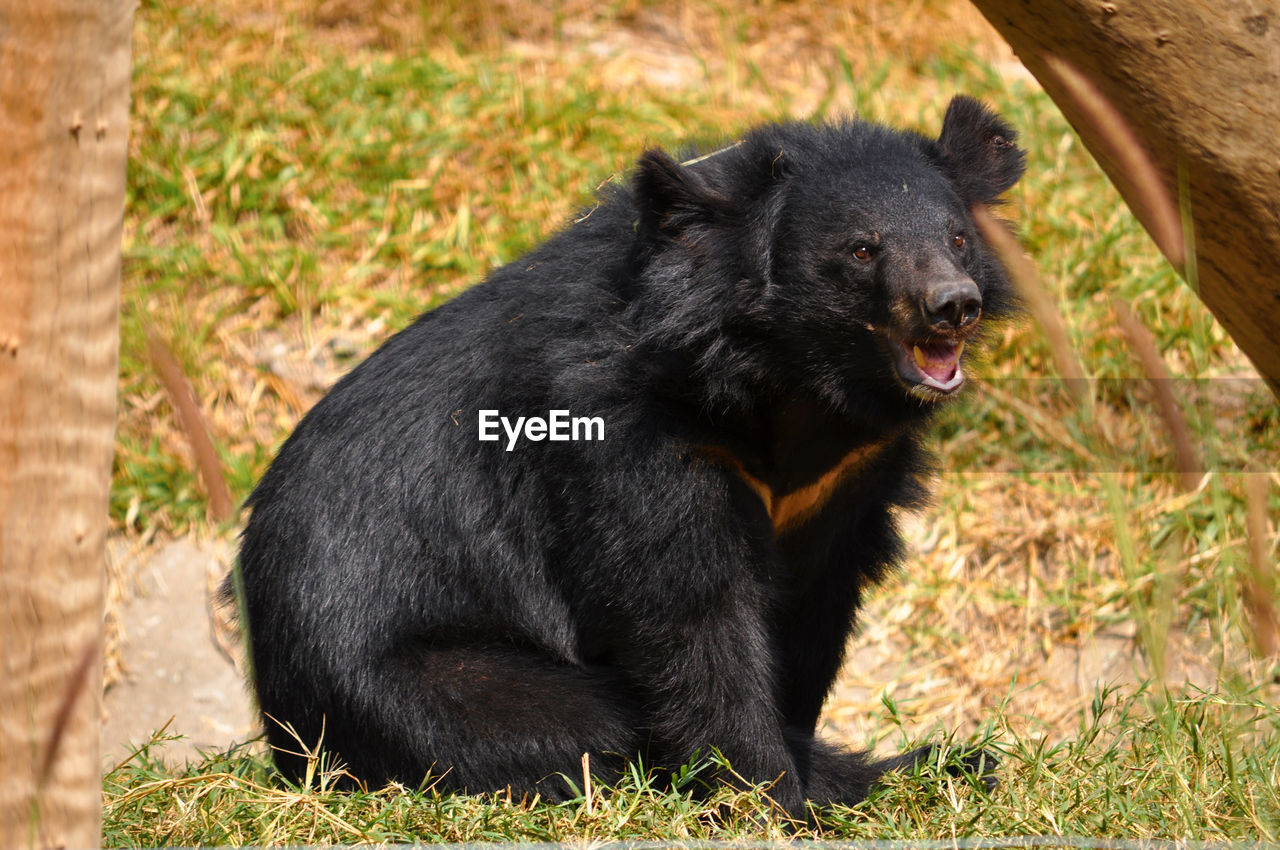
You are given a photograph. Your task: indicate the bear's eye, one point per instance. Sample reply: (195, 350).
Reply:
(862, 252)
(958, 240)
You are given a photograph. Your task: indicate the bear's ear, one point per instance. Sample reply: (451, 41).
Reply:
(672, 197)
(977, 147)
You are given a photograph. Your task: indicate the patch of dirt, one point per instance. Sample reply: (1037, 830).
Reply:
(172, 668)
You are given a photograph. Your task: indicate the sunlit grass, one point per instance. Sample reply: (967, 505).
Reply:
(1201, 766)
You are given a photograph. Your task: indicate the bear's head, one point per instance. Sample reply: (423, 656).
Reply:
(842, 256)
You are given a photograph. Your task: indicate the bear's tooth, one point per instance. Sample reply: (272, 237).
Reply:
(959, 350)
(920, 361)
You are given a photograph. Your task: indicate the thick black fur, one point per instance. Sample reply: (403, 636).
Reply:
(437, 604)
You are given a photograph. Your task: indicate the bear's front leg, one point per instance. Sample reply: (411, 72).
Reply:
(688, 624)
(708, 680)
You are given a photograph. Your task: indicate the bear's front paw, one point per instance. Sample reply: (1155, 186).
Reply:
(980, 763)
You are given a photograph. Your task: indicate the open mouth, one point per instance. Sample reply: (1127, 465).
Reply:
(932, 366)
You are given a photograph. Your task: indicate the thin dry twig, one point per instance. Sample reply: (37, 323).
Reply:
(1260, 585)
(1022, 272)
(184, 401)
(75, 686)
(1149, 198)
(1143, 345)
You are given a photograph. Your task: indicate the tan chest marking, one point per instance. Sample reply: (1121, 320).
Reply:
(791, 510)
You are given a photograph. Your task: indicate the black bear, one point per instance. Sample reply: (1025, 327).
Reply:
(623, 498)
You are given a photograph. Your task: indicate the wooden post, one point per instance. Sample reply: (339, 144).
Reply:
(64, 97)
(1199, 82)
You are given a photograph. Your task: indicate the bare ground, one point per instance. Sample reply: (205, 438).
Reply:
(173, 669)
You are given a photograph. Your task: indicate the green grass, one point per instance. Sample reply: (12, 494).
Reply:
(1200, 767)
(303, 183)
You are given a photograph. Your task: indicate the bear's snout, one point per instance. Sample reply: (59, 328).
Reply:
(952, 304)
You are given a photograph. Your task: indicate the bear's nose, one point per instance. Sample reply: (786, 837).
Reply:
(952, 304)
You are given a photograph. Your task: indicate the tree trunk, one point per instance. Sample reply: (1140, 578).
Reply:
(1199, 83)
(64, 89)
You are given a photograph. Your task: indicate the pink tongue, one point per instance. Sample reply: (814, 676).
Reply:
(940, 363)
